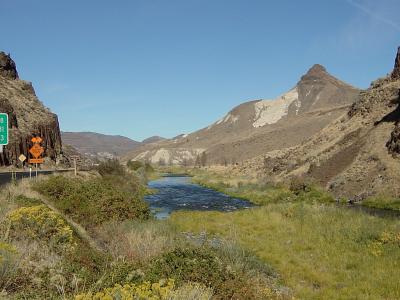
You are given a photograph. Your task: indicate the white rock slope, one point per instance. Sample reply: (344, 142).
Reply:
(271, 111)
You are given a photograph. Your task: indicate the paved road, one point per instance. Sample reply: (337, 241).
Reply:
(5, 177)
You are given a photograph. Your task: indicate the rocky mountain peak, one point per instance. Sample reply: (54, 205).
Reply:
(396, 70)
(8, 68)
(317, 71)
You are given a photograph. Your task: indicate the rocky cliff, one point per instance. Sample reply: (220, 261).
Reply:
(28, 117)
(396, 70)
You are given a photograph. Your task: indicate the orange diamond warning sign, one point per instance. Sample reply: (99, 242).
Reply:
(36, 150)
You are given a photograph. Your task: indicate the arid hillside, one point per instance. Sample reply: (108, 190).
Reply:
(259, 126)
(356, 156)
(27, 117)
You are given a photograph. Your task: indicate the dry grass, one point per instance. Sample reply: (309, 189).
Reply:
(192, 291)
(137, 241)
(321, 252)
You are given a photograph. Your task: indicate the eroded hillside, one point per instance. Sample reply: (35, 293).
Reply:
(355, 156)
(256, 127)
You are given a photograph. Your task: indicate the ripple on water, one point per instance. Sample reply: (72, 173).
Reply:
(177, 193)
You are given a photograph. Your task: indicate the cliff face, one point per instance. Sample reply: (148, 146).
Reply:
(396, 69)
(27, 117)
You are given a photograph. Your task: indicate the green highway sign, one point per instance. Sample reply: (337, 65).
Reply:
(3, 129)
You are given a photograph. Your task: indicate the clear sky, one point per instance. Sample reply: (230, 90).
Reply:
(165, 67)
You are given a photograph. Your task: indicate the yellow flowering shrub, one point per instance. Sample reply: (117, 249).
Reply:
(145, 291)
(390, 237)
(376, 247)
(42, 224)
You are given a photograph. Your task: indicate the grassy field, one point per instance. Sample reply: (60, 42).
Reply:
(320, 250)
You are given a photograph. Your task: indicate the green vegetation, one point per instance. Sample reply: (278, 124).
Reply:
(261, 193)
(143, 170)
(46, 254)
(320, 251)
(208, 267)
(111, 167)
(134, 165)
(294, 245)
(383, 202)
(94, 201)
(146, 290)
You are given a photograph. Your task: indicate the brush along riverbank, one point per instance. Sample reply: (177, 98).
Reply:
(44, 255)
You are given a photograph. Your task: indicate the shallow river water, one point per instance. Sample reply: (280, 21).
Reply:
(177, 193)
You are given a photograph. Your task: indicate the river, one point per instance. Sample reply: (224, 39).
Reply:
(178, 193)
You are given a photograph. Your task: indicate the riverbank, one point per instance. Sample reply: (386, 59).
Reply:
(383, 202)
(261, 193)
(321, 251)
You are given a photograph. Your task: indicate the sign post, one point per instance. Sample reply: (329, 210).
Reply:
(3, 130)
(22, 158)
(36, 151)
(75, 158)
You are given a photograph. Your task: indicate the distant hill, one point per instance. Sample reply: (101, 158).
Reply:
(153, 139)
(97, 144)
(256, 127)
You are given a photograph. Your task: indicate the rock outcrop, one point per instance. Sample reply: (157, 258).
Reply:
(27, 117)
(7, 67)
(396, 70)
(393, 144)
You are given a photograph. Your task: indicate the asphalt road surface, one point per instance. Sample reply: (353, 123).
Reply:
(5, 177)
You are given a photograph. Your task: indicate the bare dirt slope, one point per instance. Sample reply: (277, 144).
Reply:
(355, 156)
(256, 127)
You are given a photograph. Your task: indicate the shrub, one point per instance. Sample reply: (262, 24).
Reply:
(203, 266)
(148, 168)
(134, 165)
(299, 185)
(97, 200)
(146, 290)
(41, 224)
(23, 200)
(188, 264)
(382, 202)
(111, 167)
(315, 194)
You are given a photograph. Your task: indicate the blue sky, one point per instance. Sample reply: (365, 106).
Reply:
(142, 68)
